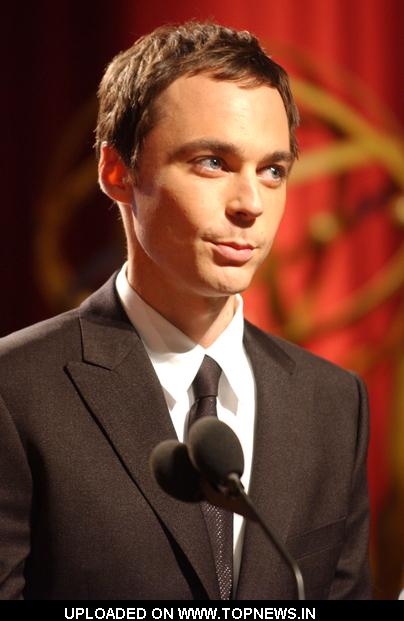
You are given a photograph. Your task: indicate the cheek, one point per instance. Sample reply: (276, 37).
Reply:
(273, 214)
(176, 214)
(165, 218)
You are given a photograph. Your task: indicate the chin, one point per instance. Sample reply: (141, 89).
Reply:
(232, 286)
(238, 281)
(225, 281)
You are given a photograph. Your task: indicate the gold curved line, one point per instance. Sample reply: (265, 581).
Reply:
(57, 208)
(354, 85)
(387, 282)
(383, 147)
(365, 357)
(69, 145)
(334, 159)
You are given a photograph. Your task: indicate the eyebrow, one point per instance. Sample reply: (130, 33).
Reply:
(226, 148)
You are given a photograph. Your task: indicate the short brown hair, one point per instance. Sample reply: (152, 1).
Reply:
(134, 78)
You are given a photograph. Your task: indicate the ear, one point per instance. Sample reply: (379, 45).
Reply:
(113, 176)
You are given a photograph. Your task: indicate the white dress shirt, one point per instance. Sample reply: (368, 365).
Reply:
(176, 360)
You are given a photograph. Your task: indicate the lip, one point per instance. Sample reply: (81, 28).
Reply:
(233, 251)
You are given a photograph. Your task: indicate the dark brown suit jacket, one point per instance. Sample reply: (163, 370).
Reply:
(80, 514)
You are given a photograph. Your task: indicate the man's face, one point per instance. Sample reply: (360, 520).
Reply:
(210, 189)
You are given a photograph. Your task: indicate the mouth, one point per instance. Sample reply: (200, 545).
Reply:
(233, 251)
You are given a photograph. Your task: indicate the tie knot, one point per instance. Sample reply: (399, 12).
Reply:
(206, 381)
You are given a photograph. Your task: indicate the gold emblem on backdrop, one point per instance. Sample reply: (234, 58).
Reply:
(71, 191)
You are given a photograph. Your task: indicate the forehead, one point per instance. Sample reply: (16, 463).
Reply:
(199, 106)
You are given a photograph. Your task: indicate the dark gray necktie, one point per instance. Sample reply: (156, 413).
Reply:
(219, 522)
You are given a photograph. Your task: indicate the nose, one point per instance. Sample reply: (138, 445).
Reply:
(245, 201)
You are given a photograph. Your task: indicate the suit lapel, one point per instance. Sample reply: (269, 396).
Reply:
(118, 383)
(275, 459)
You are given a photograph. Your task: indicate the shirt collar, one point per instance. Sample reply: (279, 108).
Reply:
(175, 357)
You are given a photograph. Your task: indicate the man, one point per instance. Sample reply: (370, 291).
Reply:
(196, 138)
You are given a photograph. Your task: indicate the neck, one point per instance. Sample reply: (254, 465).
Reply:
(202, 319)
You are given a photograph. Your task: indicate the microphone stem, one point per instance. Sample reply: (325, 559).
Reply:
(236, 486)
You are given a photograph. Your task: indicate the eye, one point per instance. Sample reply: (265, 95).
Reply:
(210, 163)
(274, 173)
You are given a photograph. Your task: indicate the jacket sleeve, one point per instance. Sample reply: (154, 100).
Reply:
(15, 505)
(352, 576)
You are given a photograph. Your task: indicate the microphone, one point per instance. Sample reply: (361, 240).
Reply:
(177, 476)
(210, 469)
(216, 452)
(174, 471)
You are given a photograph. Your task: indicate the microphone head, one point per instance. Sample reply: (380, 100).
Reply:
(174, 471)
(215, 450)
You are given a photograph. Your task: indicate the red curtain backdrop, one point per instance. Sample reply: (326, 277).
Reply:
(334, 283)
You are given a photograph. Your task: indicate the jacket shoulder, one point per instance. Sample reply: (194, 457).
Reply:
(57, 336)
(61, 336)
(297, 357)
